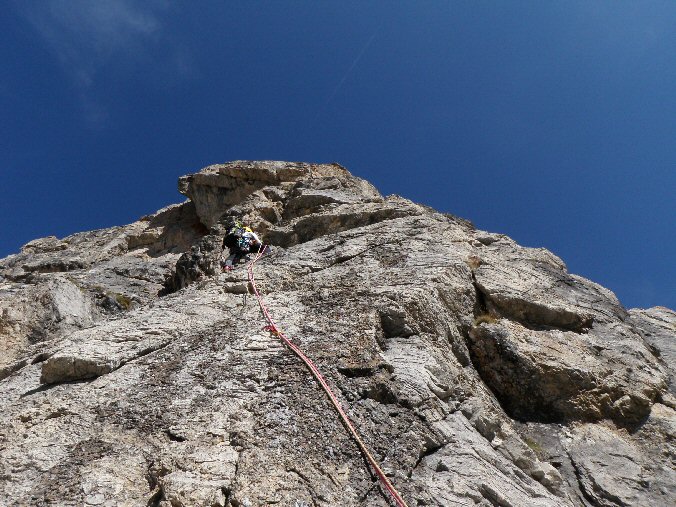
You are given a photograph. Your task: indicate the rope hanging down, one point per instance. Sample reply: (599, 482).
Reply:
(272, 328)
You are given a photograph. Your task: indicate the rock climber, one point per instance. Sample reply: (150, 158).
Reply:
(241, 241)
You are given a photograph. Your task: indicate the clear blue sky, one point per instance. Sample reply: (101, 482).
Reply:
(552, 122)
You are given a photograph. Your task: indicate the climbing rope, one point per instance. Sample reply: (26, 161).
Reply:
(273, 329)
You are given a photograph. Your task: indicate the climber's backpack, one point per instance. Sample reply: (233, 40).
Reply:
(234, 236)
(244, 244)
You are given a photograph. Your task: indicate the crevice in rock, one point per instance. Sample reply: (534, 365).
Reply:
(47, 387)
(493, 496)
(580, 484)
(345, 258)
(58, 372)
(428, 450)
(567, 321)
(480, 312)
(505, 403)
(356, 371)
(537, 410)
(395, 322)
(174, 437)
(124, 274)
(229, 496)
(227, 493)
(382, 393)
(482, 306)
(153, 476)
(144, 352)
(41, 357)
(373, 486)
(318, 225)
(541, 327)
(532, 391)
(338, 260)
(633, 425)
(156, 497)
(307, 482)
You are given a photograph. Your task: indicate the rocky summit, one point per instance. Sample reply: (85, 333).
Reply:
(478, 372)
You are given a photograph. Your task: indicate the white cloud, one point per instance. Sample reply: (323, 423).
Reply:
(85, 34)
(92, 38)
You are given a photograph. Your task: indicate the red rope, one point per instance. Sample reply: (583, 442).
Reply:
(272, 328)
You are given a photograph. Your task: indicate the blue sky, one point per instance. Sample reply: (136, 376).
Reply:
(552, 122)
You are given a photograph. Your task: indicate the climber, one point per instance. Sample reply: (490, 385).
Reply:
(241, 241)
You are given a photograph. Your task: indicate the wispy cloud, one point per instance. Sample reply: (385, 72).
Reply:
(85, 34)
(89, 37)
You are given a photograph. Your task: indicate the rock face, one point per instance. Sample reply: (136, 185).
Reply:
(478, 371)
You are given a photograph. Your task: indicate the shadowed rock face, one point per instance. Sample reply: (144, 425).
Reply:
(478, 371)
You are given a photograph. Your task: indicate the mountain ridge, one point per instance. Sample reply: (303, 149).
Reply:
(480, 372)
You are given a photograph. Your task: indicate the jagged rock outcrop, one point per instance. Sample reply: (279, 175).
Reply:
(478, 371)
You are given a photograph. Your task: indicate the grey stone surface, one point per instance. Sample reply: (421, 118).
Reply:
(658, 327)
(614, 470)
(562, 376)
(478, 371)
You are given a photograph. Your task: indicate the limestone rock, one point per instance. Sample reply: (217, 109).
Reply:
(478, 372)
(554, 375)
(613, 471)
(219, 187)
(658, 327)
